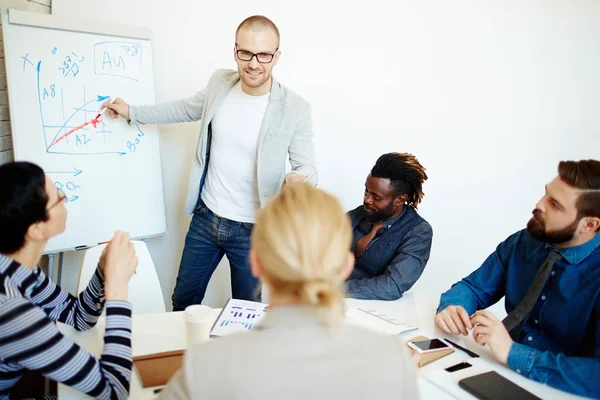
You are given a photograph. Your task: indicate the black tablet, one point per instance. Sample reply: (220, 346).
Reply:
(493, 386)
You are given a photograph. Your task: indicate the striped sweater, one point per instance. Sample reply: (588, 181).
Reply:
(29, 340)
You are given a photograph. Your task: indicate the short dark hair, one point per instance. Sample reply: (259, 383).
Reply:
(585, 176)
(405, 173)
(23, 202)
(258, 22)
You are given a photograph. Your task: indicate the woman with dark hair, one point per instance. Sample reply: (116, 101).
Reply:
(32, 211)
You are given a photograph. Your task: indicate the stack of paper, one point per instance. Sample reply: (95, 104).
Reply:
(377, 321)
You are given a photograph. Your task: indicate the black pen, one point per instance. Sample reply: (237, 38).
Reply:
(469, 352)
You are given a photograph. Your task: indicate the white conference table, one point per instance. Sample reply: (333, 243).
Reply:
(153, 333)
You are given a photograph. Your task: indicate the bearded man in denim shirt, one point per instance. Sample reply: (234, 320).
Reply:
(391, 240)
(550, 276)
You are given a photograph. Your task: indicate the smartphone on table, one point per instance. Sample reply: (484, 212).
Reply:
(428, 346)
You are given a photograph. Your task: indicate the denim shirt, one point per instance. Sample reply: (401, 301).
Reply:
(560, 341)
(393, 260)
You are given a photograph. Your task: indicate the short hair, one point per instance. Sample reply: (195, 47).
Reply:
(585, 176)
(23, 202)
(405, 173)
(257, 22)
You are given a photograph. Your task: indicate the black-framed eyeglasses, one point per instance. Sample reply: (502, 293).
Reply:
(263, 58)
(61, 197)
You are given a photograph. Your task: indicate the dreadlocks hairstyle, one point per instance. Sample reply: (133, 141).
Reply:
(585, 176)
(405, 173)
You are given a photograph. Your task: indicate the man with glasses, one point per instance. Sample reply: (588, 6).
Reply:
(250, 125)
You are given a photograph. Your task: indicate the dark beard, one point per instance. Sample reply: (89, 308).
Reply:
(537, 230)
(382, 215)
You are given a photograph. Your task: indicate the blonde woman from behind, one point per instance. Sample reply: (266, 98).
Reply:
(302, 349)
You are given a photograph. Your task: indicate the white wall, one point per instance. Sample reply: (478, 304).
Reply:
(490, 95)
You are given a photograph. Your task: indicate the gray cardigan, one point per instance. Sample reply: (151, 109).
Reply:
(286, 130)
(292, 355)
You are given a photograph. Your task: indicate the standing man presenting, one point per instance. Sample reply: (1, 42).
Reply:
(250, 125)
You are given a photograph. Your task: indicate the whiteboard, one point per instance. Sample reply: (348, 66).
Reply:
(59, 72)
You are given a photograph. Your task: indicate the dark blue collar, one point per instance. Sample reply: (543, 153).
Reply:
(388, 224)
(575, 255)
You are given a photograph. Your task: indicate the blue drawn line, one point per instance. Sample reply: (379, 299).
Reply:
(40, 103)
(75, 172)
(118, 76)
(66, 127)
(121, 153)
(67, 121)
(62, 106)
(70, 69)
(86, 110)
(62, 103)
(104, 132)
(72, 199)
(71, 186)
(26, 60)
(102, 98)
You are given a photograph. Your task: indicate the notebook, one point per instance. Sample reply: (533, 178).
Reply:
(156, 369)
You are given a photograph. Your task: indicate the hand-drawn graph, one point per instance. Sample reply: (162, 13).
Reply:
(69, 112)
(59, 74)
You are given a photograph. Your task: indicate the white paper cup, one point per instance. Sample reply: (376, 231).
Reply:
(198, 321)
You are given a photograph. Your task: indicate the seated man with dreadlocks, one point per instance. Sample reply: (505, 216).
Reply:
(391, 241)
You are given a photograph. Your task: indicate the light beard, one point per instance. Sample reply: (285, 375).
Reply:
(254, 84)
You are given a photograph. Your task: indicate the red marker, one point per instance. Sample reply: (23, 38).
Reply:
(104, 109)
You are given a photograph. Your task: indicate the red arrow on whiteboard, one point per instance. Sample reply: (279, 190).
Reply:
(93, 122)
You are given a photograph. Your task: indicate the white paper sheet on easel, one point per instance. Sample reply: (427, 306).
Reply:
(238, 316)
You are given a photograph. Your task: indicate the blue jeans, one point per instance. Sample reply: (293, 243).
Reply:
(208, 239)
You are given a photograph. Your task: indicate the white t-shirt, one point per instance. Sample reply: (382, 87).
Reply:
(230, 189)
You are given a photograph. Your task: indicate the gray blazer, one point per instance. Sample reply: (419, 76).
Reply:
(286, 129)
(292, 355)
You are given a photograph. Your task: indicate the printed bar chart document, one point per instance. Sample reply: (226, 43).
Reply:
(238, 316)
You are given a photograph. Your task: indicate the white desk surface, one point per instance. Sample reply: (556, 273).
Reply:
(153, 333)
